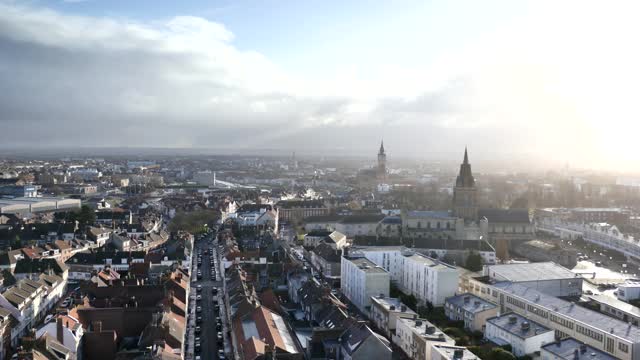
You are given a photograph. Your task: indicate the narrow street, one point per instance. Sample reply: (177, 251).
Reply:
(205, 322)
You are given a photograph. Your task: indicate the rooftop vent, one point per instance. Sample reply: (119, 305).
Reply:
(525, 326)
(513, 319)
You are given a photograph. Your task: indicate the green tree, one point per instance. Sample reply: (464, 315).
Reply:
(410, 301)
(474, 261)
(86, 216)
(499, 353)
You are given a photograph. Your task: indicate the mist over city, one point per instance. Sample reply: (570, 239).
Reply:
(298, 180)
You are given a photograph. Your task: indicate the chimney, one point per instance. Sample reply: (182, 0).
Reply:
(59, 330)
(583, 348)
(576, 354)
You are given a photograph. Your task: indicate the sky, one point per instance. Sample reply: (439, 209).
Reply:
(553, 82)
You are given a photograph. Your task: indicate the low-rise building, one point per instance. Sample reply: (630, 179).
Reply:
(359, 342)
(416, 338)
(525, 336)
(449, 352)
(628, 291)
(616, 308)
(385, 312)
(335, 239)
(473, 310)
(547, 277)
(572, 349)
(361, 279)
(326, 260)
(601, 331)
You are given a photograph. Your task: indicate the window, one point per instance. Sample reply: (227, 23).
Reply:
(610, 345)
(590, 333)
(623, 347)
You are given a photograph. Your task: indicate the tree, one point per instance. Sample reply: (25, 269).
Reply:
(498, 353)
(86, 216)
(474, 261)
(410, 301)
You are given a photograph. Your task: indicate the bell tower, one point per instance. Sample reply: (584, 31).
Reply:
(464, 193)
(381, 173)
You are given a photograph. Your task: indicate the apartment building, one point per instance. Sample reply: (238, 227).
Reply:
(362, 279)
(386, 311)
(296, 210)
(428, 279)
(416, 338)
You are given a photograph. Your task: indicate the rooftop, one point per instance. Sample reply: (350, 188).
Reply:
(366, 265)
(471, 303)
(505, 215)
(566, 349)
(454, 352)
(430, 262)
(590, 318)
(430, 214)
(518, 325)
(528, 272)
(392, 304)
(615, 303)
(425, 329)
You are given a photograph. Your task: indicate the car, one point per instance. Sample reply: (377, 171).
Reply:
(48, 318)
(199, 297)
(218, 320)
(197, 329)
(218, 327)
(214, 290)
(197, 339)
(199, 309)
(215, 300)
(199, 288)
(216, 307)
(197, 357)
(199, 320)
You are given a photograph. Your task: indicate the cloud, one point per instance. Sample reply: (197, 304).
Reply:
(80, 80)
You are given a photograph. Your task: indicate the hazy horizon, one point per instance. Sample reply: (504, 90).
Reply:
(544, 82)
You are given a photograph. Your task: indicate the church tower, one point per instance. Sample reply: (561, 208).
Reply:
(382, 164)
(464, 193)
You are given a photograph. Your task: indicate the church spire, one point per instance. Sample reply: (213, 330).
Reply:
(465, 177)
(381, 152)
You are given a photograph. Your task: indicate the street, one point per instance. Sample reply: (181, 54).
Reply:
(204, 322)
